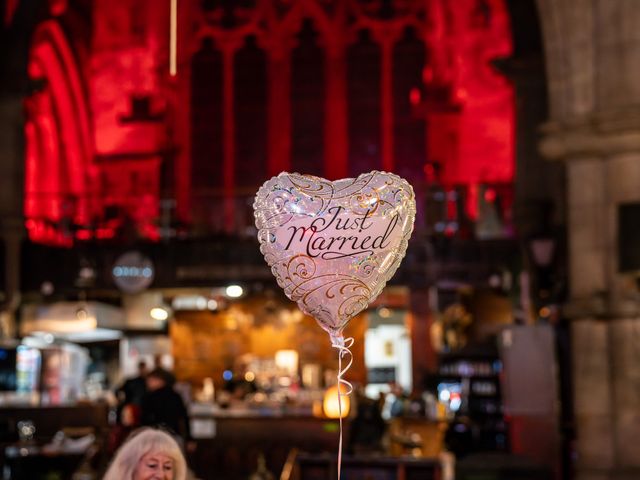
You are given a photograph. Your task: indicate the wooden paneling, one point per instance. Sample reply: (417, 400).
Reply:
(205, 343)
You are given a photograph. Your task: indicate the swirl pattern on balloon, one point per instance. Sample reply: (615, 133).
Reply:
(332, 246)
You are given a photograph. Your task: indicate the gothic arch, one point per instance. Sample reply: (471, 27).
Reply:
(59, 148)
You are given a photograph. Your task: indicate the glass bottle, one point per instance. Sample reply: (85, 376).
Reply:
(261, 472)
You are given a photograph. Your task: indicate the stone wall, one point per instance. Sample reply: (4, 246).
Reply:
(593, 61)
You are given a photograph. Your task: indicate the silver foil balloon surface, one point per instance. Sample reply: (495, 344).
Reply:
(333, 246)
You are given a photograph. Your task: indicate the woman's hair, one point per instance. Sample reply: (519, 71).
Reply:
(142, 441)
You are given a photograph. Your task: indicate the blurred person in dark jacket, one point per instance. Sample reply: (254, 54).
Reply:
(163, 406)
(133, 389)
(170, 377)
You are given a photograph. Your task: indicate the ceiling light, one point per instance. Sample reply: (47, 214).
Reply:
(234, 291)
(159, 313)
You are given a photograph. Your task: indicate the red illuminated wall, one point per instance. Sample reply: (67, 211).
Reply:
(474, 34)
(352, 85)
(59, 176)
(92, 163)
(129, 92)
(471, 124)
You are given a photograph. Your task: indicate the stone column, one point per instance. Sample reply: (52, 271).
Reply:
(603, 172)
(386, 34)
(17, 32)
(593, 62)
(11, 206)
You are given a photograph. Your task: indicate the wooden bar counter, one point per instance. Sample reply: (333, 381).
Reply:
(229, 443)
(235, 440)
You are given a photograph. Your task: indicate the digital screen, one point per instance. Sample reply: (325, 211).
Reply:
(8, 375)
(381, 375)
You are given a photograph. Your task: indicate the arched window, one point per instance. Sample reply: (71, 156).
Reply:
(363, 97)
(307, 103)
(251, 116)
(206, 120)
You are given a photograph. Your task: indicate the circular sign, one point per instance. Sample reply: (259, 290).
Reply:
(132, 272)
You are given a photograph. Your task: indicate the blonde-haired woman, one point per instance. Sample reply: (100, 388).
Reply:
(148, 454)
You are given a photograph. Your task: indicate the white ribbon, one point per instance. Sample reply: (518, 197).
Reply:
(343, 345)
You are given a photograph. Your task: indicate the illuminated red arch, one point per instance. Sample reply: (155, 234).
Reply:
(58, 169)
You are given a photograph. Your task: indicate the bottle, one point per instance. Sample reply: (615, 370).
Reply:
(86, 471)
(261, 472)
(208, 390)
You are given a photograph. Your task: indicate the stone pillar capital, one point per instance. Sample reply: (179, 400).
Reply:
(603, 134)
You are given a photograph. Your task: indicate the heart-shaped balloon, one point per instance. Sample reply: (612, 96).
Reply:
(333, 246)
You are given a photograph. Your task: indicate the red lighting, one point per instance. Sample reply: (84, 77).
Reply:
(452, 205)
(34, 70)
(450, 230)
(83, 235)
(430, 173)
(58, 151)
(460, 95)
(472, 202)
(427, 74)
(490, 195)
(107, 119)
(62, 180)
(105, 233)
(10, 9)
(57, 7)
(415, 96)
(473, 139)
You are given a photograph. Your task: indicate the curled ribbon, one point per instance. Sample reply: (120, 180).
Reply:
(343, 346)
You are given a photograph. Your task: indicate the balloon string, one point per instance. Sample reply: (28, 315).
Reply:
(343, 347)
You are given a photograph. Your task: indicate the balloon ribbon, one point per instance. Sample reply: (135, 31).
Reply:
(343, 345)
